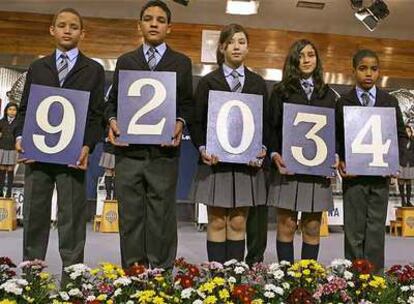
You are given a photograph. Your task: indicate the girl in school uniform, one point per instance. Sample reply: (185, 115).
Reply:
(302, 83)
(228, 189)
(8, 155)
(407, 169)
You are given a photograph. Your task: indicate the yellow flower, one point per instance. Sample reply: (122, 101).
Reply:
(144, 296)
(158, 300)
(305, 263)
(208, 286)
(159, 278)
(101, 297)
(377, 282)
(298, 275)
(364, 277)
(44, 275)
(224, 294)
(358, 292)
(51, 286)
(257, 301)
(94, 271)
(210, 300)
(109, 302)
(219, 281)
(7, 301)
(306, 272)
(309, 280)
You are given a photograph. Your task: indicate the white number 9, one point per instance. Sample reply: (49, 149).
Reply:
(248, 127)
(66, 126)
(321, 148)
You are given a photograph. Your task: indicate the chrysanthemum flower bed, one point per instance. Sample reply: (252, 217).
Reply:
(303, 282)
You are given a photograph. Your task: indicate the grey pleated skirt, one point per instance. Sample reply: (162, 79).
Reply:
(299, 192)
(229, 186)
(8, 157)
(107, 160)
(406, 172)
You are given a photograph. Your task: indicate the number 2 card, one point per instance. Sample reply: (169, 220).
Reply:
(371, 144)
(54, 125)
(309, 139)
(146, 107)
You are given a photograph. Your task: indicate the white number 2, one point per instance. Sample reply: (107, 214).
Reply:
(376, 148)
(321, 148)
(157, 99)
(222, 130)
(66, 126)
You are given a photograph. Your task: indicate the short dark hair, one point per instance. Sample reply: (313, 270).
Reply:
(68, 10)
(361, 54)
(159, 4)
(225, 36)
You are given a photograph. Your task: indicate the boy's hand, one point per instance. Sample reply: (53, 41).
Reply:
(208, 159)
(113, 133)
(258, 162)
(19, 149)
(178, 133)
(342, 170)
(82, 162)
(280, 164)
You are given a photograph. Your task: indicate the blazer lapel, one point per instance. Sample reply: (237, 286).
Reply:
(141, 61)
(50, 62)
(80, 64)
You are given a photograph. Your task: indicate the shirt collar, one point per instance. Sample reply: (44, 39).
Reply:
(160, 49)
(372, 92)
(228, 70)
(308, 80)
(72, 54)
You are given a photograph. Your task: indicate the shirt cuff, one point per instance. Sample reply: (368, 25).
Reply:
(202, 149)
(264, 147)
(19, 137)
(182, 120)
(112, 118)
(272, 154)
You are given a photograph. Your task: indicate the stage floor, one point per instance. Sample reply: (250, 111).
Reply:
(102, 247)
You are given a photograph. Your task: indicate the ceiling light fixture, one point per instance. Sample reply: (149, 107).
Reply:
(242, 7)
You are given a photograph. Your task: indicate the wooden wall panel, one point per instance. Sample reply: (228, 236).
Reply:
(27, 33)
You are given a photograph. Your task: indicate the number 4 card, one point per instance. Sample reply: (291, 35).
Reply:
(309, 139)
(371, 144)
(54, 125)
(146, 107)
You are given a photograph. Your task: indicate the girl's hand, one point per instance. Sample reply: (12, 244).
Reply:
(208, 159)
(280, 164)
(258, 162)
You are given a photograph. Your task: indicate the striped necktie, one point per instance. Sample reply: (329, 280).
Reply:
(308, 88)
(63, 68)
(235, 84)
(366, 99)
(152, 61)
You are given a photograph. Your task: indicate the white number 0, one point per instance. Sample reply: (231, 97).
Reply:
(66, 126)
(321, 148)
(222, 130)
(376, 148)
(160, 94)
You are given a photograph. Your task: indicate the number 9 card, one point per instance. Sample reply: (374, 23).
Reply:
(54, 125)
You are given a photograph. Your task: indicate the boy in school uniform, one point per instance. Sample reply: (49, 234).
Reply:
(146, 175)
(65, 68)
(365, 198)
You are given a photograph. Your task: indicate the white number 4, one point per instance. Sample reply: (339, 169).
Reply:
(376, 148)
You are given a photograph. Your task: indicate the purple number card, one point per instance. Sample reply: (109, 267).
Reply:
(146, 107)
(309, 139)
(54, 125)
(371, 144)
(235, 126)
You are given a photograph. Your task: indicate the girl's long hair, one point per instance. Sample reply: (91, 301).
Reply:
(225, 36)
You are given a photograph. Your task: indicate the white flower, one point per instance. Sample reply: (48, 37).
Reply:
(405, 288)
(232, 280)
(201, 294)
(285, 285)
(230, 262)
(284, 263)
(130, 302)
(239, 270)
(278, 274)
(87, 286)
(348, 275)
(274, 267)
(269, 294)
(410, 300)
(341, 262)
(351, 284)
(122, 281)
(291, 273)
(75, 292)
(270, 287)
(186, 293)
(90, 298)
(64, 295)
(198, 302)
(279, 291)
(118, 292)
(12, 286)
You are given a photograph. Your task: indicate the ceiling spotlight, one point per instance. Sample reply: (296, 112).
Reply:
(242, 7)
(370, 16)
(356, 4)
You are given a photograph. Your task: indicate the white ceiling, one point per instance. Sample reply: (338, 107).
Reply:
(337, 16)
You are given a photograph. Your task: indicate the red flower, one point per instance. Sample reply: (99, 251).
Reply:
(7, 261)
(194, 271)
(300, 296)
(135, 270)
(362, 266)
(185, 280)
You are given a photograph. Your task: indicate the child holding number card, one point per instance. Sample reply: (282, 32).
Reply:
(146, 175)
(366, 197)
(65, 68)
(302, 83)
(407, 169)
(8, 155)
(228, 189)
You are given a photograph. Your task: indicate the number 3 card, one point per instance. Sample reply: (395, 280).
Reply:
(371, 145)
(309, 139)
(54, 125)
(146, 107)
(234, 126)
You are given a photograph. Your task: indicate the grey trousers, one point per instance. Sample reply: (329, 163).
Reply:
(40, 180)
(365, 213)
(146, 191)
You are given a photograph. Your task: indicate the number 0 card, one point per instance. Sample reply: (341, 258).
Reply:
(54, 125)
(371, 145)
(309, 139)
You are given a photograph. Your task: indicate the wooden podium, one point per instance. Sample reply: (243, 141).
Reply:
(407, 219)
(8, 219)
(109, 221)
